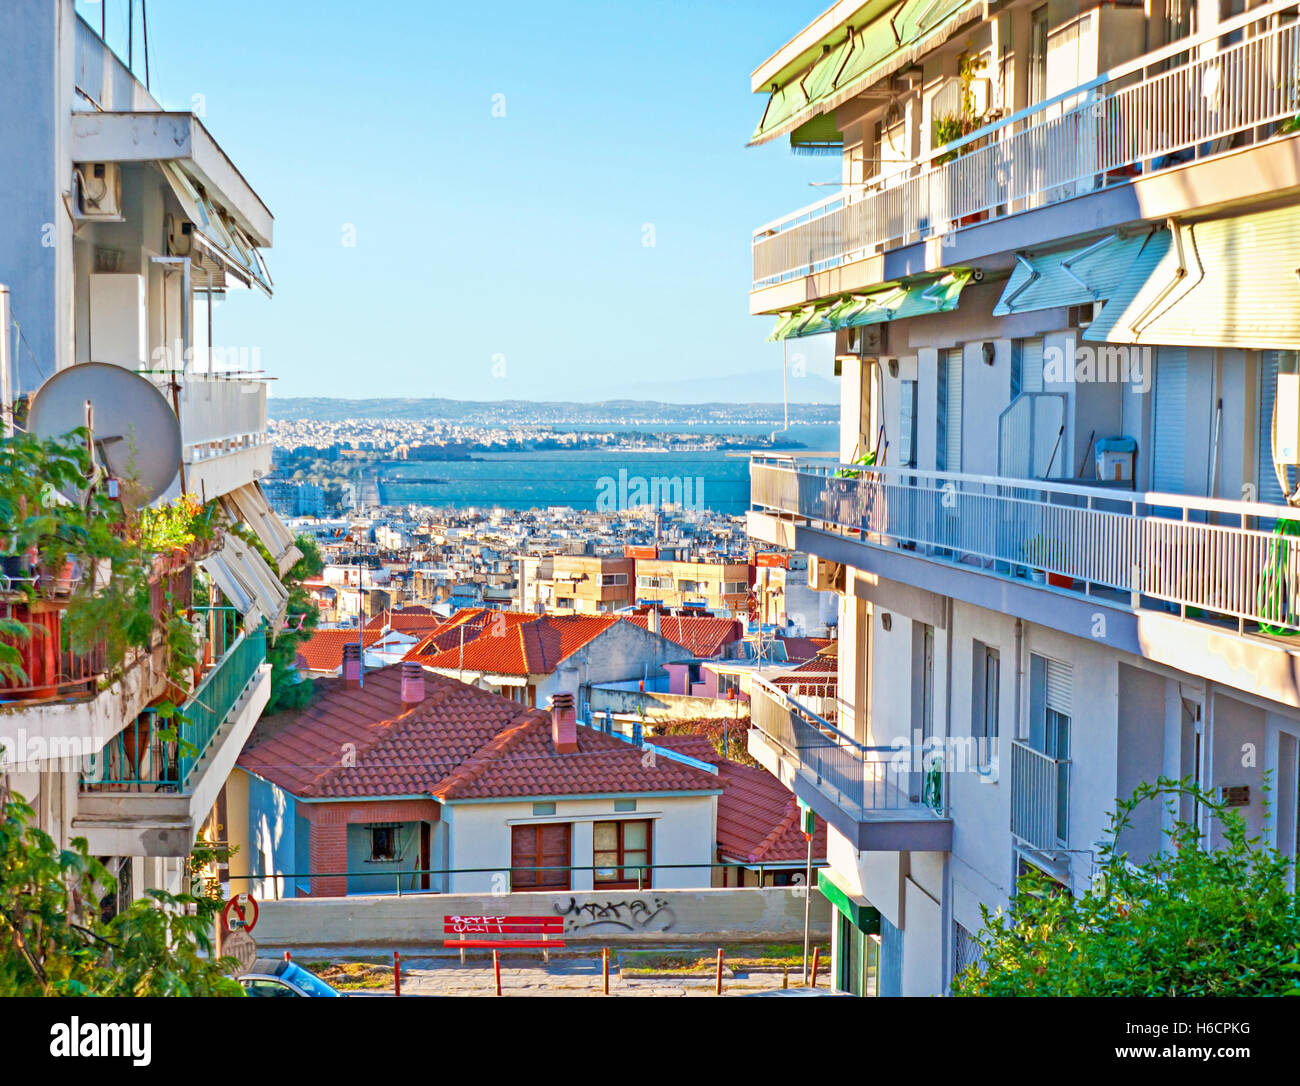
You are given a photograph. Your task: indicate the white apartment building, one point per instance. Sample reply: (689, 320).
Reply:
(121, 223)
(1061, 274)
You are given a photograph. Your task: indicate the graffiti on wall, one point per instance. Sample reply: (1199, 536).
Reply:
(618, 914)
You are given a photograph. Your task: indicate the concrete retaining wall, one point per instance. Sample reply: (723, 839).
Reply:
(605, 918)
(663, 706)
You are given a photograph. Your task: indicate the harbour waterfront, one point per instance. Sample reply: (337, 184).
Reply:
(586, 479)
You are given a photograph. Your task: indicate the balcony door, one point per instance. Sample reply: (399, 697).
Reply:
(1051, 694)
(1191, 755)
(1288, 797)
(1169, 422)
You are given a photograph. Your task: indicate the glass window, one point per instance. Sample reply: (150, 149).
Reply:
(621, 853)
(1037, 55)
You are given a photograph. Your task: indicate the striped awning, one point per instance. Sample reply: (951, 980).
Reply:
(895, 301)
(1075, 276)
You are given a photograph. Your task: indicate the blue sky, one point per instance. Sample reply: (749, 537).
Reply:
(495, 256)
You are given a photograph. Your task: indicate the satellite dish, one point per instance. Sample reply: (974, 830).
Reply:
(136, 433)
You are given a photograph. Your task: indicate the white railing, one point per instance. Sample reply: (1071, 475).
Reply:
(860, 779)
(1123, 123)
(1040, 789)
(221, 415)
(1218, 558)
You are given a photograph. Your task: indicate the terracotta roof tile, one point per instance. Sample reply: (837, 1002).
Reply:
(323, 651)
(704, 638)
(458, 743)
(758, 817)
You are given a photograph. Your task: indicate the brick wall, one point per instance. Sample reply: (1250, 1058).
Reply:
(329, 833)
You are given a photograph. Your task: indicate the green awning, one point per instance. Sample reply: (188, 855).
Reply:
(895, 301)
(1077, 276)
(861, 913)
(889, 41)
(1240, 286)
(818, 135)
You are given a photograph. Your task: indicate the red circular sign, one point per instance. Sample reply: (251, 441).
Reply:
(244, 908)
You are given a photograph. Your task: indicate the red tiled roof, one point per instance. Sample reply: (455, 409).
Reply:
(704, 638)
(758, 817)
(408, 620)
(517, 644)
(804, 648)
(323, 651)
(458, 743)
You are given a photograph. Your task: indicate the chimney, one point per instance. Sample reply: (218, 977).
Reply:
(564, 724)
(653, 624)
(351, 665)
(412, 683)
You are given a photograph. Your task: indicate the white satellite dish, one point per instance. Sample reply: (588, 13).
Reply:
(137, 435)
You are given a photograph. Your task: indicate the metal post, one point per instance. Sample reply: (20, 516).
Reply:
(397, 973)
(496, 969)
(6, 366)
(604, 968)
(807, 906)
(717, 979)
(817, 952)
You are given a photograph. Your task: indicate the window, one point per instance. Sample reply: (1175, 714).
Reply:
(611, 580)
(965, 950)
(728, 685)
(542, 809)
(948, 424)
(621, 853)
(1037, 55)
(986, 687)
(735, 588)
(383, 844)
(625, 805)
(687, 586)
(907, 424)
(540, 856)
(654, 582)
(1051, 685)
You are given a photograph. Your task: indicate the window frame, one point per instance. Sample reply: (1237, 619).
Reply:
(621, 880)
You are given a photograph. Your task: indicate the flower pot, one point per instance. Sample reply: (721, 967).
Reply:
(1037, 576)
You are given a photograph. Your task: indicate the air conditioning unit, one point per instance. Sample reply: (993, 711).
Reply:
(99, 190)
(868, 340)
(824, 576)
(1080, 316)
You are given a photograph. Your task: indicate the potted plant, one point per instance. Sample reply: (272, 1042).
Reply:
(1042, 552)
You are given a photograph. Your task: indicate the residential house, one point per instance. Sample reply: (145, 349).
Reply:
(424, 782)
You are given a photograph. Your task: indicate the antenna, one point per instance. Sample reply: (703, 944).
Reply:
(137, 436)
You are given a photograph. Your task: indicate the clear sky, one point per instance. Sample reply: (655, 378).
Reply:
(594, 237)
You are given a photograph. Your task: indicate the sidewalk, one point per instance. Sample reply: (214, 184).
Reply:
(568, 975)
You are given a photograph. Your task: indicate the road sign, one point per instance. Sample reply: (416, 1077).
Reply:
(240, 946)
(240, 913)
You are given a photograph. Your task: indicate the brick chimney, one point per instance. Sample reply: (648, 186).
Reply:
(653, 623)
(351, 665)
(412, 683)
(564, 724)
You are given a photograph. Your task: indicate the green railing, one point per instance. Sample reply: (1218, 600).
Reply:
(216, 696)
(140, 759)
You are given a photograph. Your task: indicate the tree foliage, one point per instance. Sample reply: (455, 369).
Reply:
(53, 940)
(1190, 921)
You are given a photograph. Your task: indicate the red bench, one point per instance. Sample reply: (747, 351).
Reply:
(503, 933)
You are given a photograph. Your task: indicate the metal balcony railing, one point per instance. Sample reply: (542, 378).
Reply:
(1206, 557)
(139, 759)
(1040, 789)
(861, 780)
(1184, 100)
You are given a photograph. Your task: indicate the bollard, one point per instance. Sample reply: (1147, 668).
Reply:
(496, 969)
(397, 974)
(604, 967)
(717, 988)
(785, 976)
(817, 953)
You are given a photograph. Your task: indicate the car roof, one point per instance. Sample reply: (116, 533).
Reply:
(270, 967)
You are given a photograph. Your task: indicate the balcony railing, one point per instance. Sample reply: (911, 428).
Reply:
(1124, 123)
(1206, 558)
(138, 759)
(221, 414)
(863, 781)
(1040, 789)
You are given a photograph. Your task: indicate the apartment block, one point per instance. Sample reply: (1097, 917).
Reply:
(1059, 272)
(122, 224)
(721, 586)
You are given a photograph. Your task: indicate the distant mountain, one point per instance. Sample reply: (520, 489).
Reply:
(758, 386)
(542, 412)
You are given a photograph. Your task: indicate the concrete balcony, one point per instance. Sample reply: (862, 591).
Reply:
(145, 796)
(1132, 133)
(1201, 584)
(223, 432)
(878, 797)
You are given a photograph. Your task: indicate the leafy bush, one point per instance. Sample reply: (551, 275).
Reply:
(1190, 921)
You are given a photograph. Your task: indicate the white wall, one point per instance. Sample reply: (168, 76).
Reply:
(684, 831)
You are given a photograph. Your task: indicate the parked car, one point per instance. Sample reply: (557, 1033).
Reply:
(277, 977)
